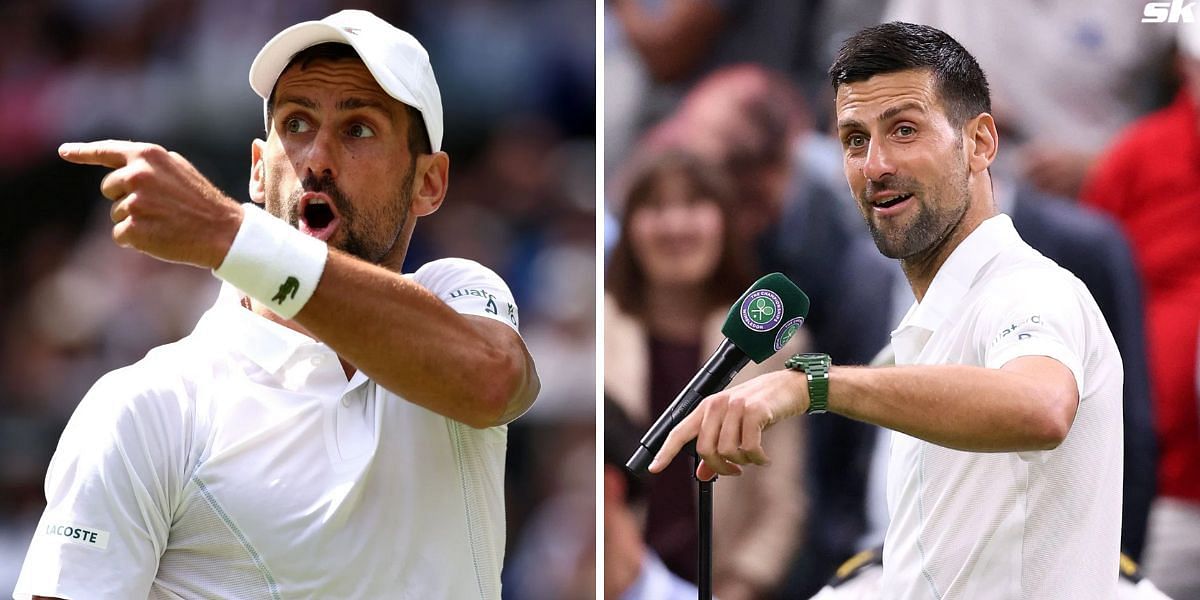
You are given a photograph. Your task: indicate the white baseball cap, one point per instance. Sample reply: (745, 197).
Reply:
(395, 58)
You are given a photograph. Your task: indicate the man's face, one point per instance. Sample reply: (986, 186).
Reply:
(904, 161)
(337, 163)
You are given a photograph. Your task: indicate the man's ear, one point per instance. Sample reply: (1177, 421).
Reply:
(258, 173)
(982, 141)
(430, 183)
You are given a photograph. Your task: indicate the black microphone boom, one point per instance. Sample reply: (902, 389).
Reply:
(716, 373)
(758, 325)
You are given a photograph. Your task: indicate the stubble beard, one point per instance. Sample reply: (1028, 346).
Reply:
(932, 223)
(352, 237)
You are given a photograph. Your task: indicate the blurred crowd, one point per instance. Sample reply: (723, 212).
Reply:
(518, 84)
(718, 147)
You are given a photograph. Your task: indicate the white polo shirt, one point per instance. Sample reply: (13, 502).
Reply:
(1019, 525)
(239, 462)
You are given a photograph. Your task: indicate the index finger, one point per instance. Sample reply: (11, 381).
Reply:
(683, 433)
(113, 154)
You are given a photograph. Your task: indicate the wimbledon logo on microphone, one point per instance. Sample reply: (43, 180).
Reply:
(787, 331)
(762, 310)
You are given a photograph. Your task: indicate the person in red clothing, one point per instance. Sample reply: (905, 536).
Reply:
(1149, 180)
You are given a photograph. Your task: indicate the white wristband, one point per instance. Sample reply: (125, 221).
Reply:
(273, 263)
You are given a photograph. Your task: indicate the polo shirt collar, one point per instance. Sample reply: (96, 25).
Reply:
(267, 343)
(955, 277)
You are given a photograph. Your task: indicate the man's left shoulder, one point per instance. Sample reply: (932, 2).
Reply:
(469, 288)
(1028, 273)
(444, 274)
(1033, 290)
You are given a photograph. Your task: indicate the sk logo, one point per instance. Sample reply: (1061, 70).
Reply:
(289, 287)
(762, 310)
(1175, 11)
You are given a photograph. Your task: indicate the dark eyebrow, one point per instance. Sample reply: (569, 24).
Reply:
(299, 100)
(895, 110)
(347, 104)
(884, 116)
(353, 103)
(850, 124)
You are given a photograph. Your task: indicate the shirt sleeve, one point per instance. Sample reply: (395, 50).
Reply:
(1038, 314)
(1035, 313)
(109, 492)
(470, 289)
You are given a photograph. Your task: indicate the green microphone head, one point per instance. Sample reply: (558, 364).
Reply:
(766, 316)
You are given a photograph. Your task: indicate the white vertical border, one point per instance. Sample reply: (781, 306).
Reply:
(599, 445)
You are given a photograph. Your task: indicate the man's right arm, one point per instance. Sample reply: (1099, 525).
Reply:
(1018, 392)
(109, 489)
(1028, 404)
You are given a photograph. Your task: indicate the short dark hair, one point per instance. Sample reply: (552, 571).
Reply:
(418, 135)
(896, 46)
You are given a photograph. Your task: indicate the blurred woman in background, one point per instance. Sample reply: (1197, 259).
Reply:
(671, 277)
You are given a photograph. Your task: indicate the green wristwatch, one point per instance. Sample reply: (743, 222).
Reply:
(816, 367)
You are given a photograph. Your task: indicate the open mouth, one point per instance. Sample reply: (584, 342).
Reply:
(893, 201)
(318, 217)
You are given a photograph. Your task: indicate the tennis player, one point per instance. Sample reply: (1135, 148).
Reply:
(331, 428)
(1006, 459)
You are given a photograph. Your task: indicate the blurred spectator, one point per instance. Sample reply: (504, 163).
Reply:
(794, 210)
(519, 82)
(553, 556)
(678, 41)
(672, 275)
(789, 190)
(632, 571)
(1065, 76)
(1149, 181)
(655, 50)
(745, 119)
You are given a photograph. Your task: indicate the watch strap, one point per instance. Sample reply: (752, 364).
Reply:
(815, 367)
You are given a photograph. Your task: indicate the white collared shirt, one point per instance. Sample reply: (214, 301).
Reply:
(240, 462)
(1019, 525)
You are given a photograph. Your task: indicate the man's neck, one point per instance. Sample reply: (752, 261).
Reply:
(266, 313)
(922, 268)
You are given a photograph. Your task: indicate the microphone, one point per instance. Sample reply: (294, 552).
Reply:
(758, 325)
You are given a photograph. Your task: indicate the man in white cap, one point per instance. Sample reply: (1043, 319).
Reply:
(332, 428)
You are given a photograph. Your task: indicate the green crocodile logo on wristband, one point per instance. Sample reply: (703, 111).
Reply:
(289, 286)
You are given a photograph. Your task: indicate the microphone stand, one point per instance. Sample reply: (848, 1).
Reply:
(704, 523)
